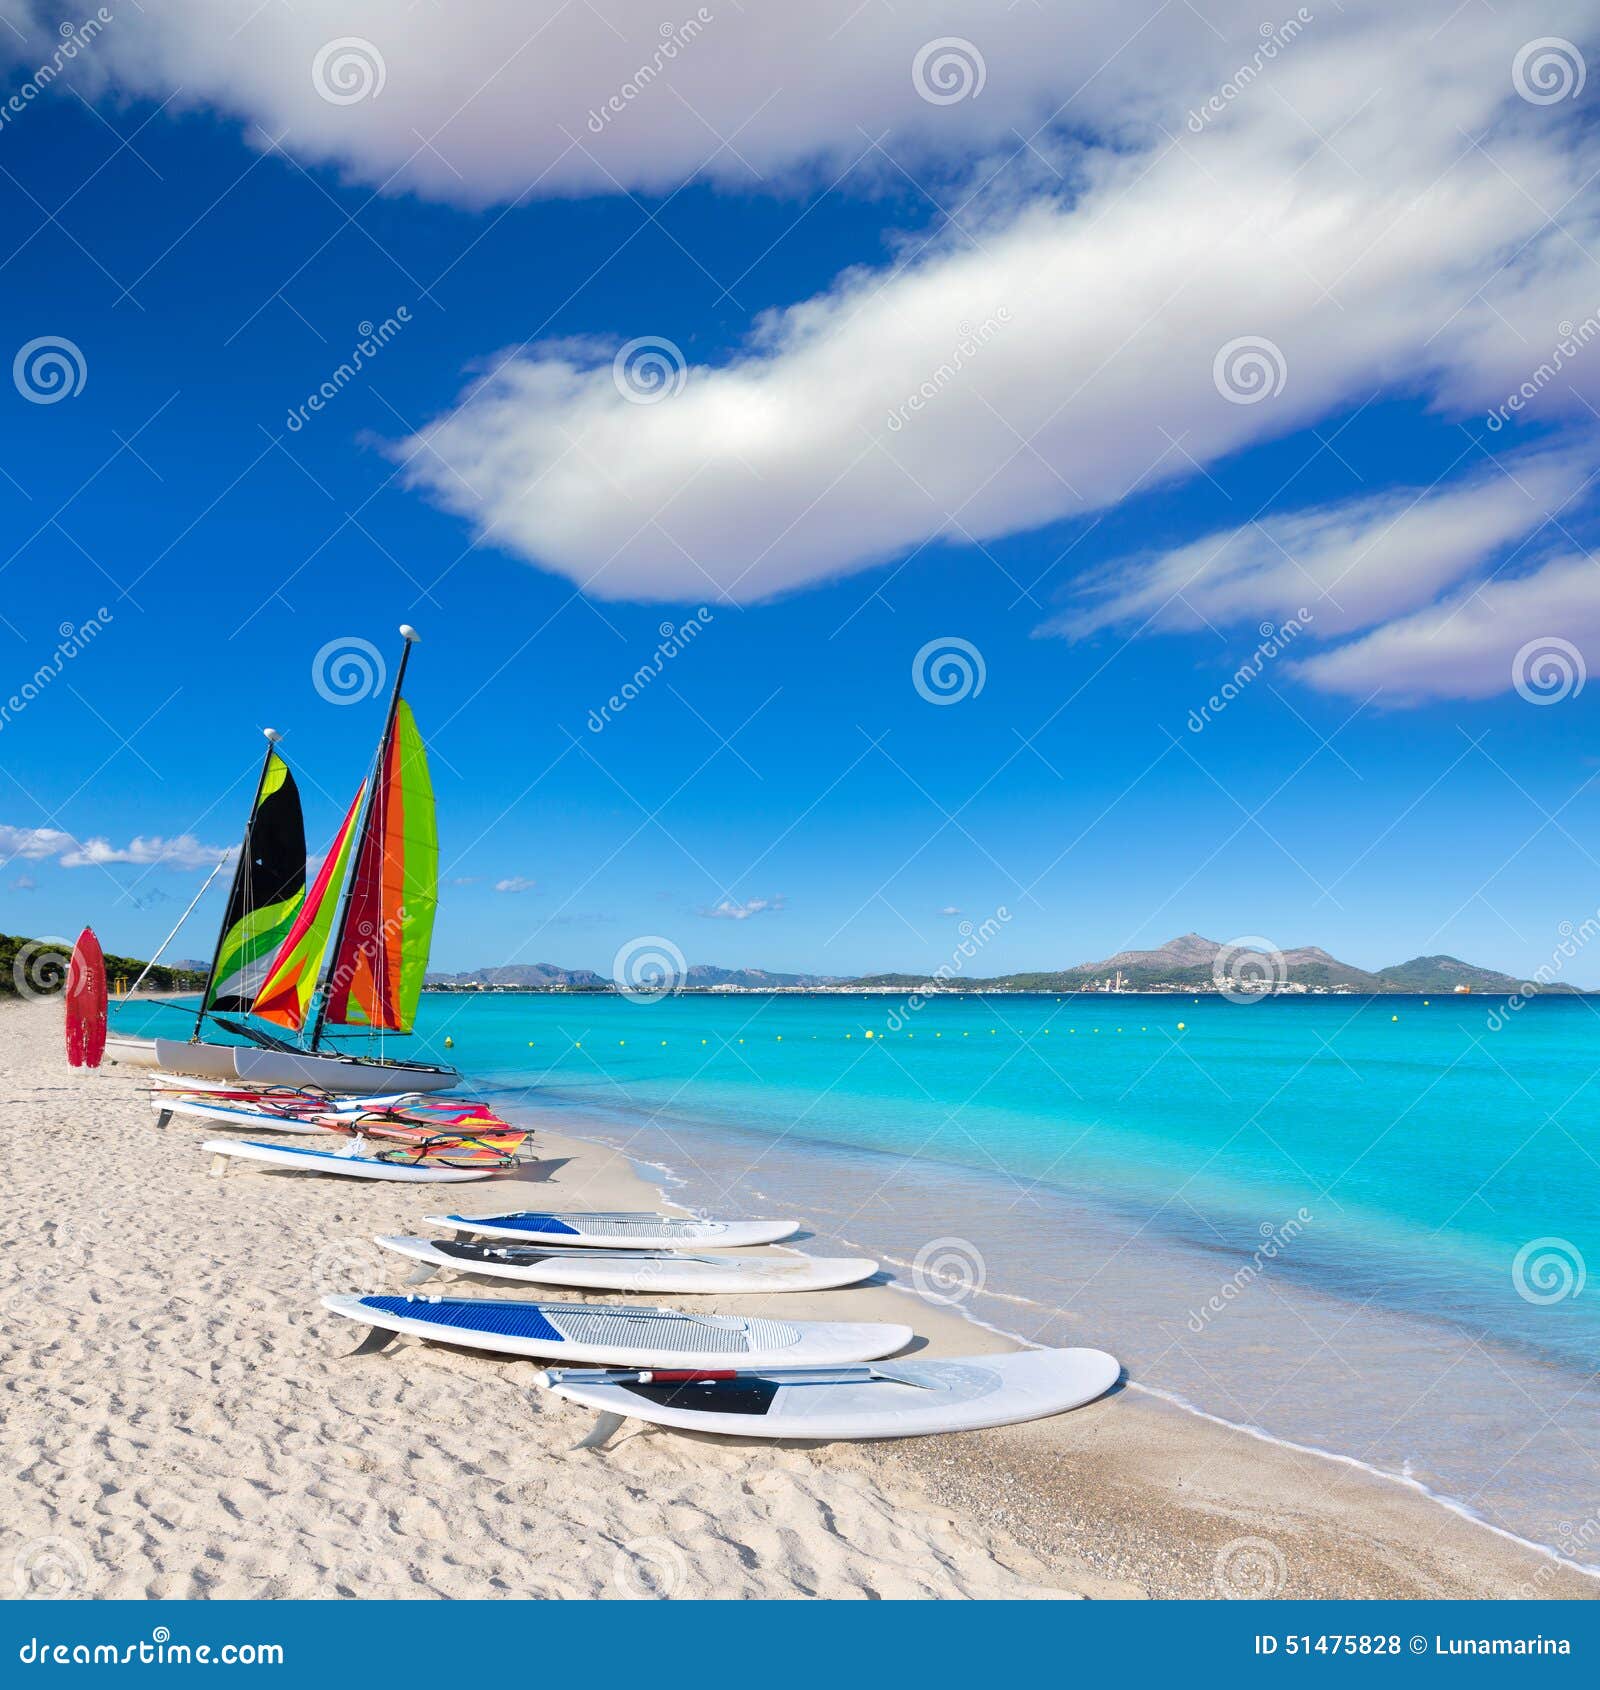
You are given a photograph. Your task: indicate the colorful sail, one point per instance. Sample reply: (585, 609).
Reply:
(291, 981)
(376, 977)
(268, 891)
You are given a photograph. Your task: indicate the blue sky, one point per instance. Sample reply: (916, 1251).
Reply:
(1380, 786)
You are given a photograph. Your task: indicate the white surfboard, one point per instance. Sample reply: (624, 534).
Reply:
(888, 1399)
(622, 1337)
(622, 1230)
(348, 1162)
(662, 1272)
(229, 1115)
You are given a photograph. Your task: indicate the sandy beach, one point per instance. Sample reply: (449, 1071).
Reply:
(181, 1418)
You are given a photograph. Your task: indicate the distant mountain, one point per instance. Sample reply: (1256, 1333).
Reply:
(752, 979)
(520, 976)
(1445, 973)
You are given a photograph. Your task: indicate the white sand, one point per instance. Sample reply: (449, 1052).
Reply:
(179, 1417)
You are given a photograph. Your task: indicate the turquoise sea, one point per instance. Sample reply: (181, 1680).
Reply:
(1360, 1225)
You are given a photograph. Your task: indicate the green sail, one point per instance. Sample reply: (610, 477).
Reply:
(267, 892)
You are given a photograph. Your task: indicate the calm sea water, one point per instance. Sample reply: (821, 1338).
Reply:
(1359, 1225)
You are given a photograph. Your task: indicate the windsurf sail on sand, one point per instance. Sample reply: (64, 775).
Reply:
(269, 887)
(291, 979)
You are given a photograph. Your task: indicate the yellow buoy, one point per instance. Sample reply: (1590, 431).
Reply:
(869, 1034)
(1394, 1017)
(449, 1043)
(780, 1038)
(1180, 1026)
(663, 1044)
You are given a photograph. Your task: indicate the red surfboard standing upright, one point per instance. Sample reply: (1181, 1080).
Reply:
(86, 1002)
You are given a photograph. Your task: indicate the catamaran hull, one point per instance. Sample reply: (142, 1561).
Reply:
(337, 1073)
(133, 1053)
(208, 1061)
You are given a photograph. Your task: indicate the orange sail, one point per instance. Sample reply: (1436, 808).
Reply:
(291, 982)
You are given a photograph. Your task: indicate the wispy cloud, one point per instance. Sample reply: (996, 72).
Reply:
(728, 910)
(36, 844)
(516, 883)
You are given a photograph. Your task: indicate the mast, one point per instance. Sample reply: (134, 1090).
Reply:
(273, 737)
(363, 827)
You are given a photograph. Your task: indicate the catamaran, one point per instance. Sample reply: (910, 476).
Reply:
(350, 953)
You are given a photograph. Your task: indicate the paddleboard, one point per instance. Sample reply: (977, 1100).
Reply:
(623, 1230)
(221, 1115)
(889, 1399)
(347, 1163)
(86, 1002)
(623, 1337)
(658, 1271)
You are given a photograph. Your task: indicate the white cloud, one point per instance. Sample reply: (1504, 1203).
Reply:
(508, 98)
(24, 883)
(728, 910)
(1469, 646)
(35, 844)
(1411, 251)
(1351, 564)
(950, 909)
(516, 883)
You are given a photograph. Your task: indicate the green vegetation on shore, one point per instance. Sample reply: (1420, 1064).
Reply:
(33, 967)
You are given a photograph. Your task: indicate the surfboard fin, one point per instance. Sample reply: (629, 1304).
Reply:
(163, 1118)
(376, 1341)
(219, 1166)
(599, 1435)
(421, 1274)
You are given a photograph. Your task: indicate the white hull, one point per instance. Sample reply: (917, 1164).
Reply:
(133, 1053)
(209, 1062)
(598, 1231)
(895, 1399)
(635, 1270)
(303, 1159)
(622, 1337)
(334, 1073)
